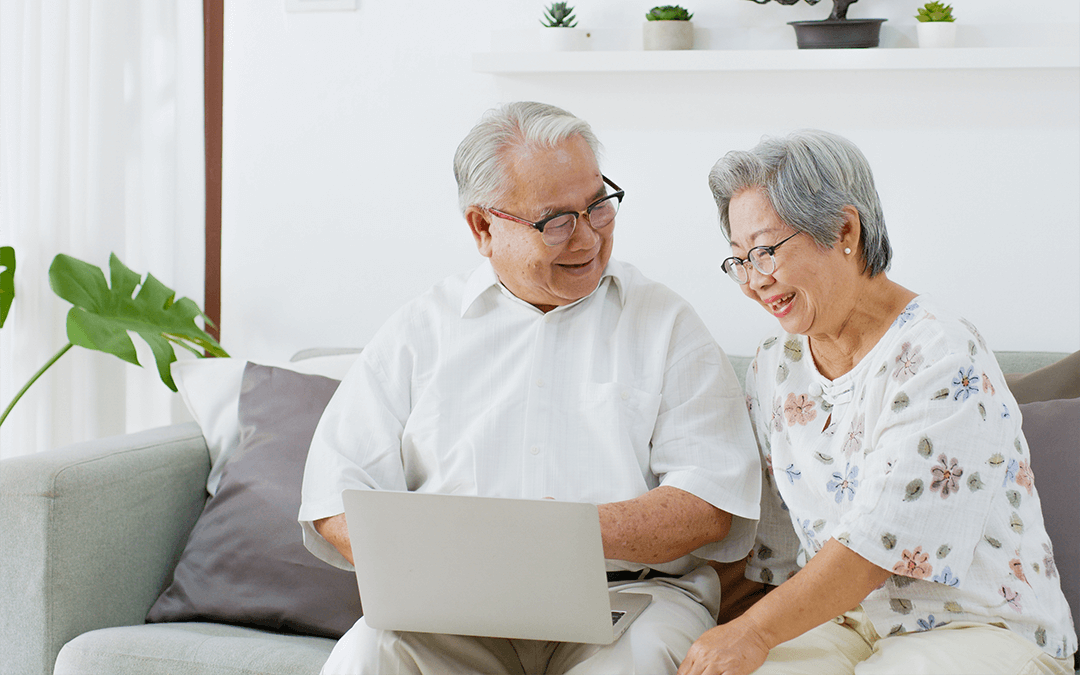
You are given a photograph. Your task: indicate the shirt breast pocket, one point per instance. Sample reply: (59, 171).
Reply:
(620, 416)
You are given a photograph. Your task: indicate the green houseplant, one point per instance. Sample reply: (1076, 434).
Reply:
(101, 316)
(7, 281)
(668, 13)
(935, 27)
(935, 12)
(559, 15)
(668, 27)
(560, 32)
(835, 32)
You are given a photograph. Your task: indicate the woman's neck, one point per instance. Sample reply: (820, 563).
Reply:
(870, 313)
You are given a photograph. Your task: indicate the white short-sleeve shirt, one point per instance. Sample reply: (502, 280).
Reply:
(469, 390)
(916, 461)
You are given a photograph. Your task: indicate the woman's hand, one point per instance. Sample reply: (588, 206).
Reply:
(735, 648)
(834, 581)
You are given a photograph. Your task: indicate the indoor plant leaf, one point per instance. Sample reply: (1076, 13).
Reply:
(102, 316)
(7, 281)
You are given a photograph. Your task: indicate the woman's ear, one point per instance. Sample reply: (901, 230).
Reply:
(479, 221)
(850, 232)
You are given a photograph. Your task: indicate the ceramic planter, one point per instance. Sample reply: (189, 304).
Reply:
(837, 33)
(668, 35)
(563, 39)
(936, 34)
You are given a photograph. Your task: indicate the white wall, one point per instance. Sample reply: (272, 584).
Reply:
(340, 204)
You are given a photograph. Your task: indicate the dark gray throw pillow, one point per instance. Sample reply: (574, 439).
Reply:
(1052, 430)
(245, 561)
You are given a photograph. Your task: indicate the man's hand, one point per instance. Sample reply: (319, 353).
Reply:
(661, 525)
(735, 648)
(334, 530)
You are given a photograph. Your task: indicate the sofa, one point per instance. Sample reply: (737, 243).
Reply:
(95, 537)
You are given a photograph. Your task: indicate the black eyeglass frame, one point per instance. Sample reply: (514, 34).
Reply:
(729, 264)
(540, 224)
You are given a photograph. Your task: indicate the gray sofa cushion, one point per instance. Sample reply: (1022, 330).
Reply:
(1058, 380)
(191, 649)
(245, 562)
(1052, 429)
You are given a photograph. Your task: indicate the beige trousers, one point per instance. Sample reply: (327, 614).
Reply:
(681, 610)
(849, 645)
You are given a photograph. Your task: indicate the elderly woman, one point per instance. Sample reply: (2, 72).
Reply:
(899, 514)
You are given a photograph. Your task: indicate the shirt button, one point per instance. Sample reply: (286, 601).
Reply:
(815, 389)
(625, 394)
(540, 382)
(534, 450)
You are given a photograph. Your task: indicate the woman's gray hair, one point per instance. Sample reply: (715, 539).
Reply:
(808, 176)
(478, 163)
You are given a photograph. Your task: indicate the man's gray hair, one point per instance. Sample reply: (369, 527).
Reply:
(808, 176)
(478, 163)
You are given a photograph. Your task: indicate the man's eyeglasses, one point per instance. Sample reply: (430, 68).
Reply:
(761, 257)
(556, 229)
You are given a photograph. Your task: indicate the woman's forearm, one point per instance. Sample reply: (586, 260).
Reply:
(834, 581)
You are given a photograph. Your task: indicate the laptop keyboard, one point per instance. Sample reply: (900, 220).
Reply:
(615, 616)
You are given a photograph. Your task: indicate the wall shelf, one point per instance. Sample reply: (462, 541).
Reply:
(701, 60)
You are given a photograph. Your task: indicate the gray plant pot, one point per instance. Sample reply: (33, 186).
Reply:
(837, 34)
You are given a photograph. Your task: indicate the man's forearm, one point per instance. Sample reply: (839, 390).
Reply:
(659, 526)
(334, 530)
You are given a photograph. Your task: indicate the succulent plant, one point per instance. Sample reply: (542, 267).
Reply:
(668, 13)
(558, 15)
(935, 11)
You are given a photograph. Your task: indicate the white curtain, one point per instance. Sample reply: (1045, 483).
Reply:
(101, 150)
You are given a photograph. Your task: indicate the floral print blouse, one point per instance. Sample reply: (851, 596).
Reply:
(915, 460)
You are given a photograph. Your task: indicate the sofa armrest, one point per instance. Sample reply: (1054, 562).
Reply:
(90, 534)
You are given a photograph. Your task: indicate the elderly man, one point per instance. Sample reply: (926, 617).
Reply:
(550, 371)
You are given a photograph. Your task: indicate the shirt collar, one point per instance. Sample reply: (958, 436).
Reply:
(484, 278)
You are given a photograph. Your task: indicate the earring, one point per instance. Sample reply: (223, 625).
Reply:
(847, 251)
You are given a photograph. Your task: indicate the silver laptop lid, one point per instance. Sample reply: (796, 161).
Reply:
(530, 569)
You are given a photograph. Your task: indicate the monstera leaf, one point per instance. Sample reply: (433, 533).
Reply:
(7, 281)
(102, 316)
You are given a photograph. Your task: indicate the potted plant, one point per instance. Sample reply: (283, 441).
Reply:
(936, 27)
(668, 27)
(560, 29)
(835, 32)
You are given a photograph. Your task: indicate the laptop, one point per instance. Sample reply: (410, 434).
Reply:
(509, 568)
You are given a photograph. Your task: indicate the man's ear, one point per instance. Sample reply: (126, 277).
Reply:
(479, 222)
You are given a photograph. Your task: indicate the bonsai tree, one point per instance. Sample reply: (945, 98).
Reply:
(558, 15)
(839, 7)
(668, 13)
(935, 12)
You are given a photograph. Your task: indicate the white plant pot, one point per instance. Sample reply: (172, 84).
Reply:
(668, 35)
(564, 39)
(936, 34)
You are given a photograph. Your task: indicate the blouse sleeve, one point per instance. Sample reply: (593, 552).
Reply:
(936, 455)
(773, 558)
